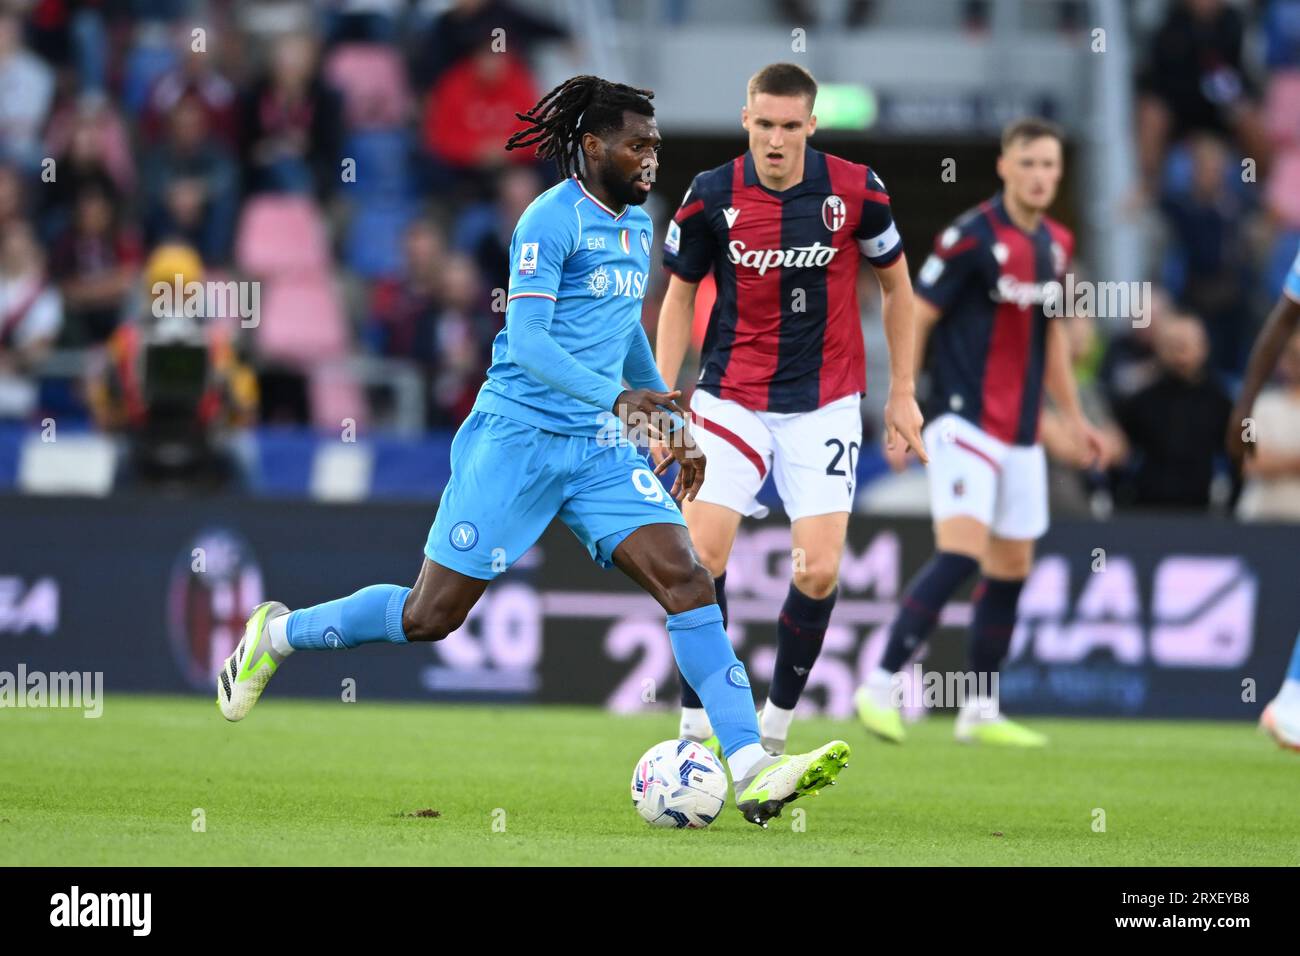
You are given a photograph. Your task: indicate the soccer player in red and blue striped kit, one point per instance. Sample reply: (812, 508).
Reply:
(783, 369)
(993, 351)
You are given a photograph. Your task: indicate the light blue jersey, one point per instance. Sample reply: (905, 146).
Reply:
(541, 442)
(570, 249)
(1292, 285)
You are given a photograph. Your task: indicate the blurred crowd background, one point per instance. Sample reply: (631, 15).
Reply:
(346, 156)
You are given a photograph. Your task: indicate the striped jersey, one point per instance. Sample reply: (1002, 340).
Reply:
(989, 280)
(785, 333)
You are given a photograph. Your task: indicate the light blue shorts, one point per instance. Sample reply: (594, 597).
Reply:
(509, 479)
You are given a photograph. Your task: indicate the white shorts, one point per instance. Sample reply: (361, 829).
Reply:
(813, 455)
(972, 473)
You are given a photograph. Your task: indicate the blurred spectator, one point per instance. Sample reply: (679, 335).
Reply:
(26, 92)
(468, 24)
(73, 35)
(1209, 262)
(1129, 363)
(483, 231)
(470, 113)
(172, 385)
(1071, 489)
(192, 185)
(90, 144)
(11, 195)
(96, 262)
(291, 124)
(1175, 425)
(452, 347)
(1281, 26)
(399, 307)
(1193, 80)
(1273, 472)
(197, 77)
(436, 315)
(30, 317)
(364, 21)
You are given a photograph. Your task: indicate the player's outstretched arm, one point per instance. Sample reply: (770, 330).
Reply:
(1272, 339)
(902, 415)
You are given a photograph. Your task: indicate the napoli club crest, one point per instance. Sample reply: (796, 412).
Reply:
(833, 214)
(645, 242)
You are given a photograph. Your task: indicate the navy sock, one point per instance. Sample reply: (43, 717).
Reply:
(799, 634)
(993, 623)
(689, 697)
(924, 598)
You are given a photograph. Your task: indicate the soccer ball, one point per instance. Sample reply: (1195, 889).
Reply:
(679, 783)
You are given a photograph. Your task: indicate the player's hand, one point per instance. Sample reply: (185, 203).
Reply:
(1235, 438)
(663, 421)
(898, 456)
(903, 423)
(1091, 447)
(660, 453)
(690, 460)
(646, 410)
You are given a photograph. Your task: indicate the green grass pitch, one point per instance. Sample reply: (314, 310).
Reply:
(319, 783)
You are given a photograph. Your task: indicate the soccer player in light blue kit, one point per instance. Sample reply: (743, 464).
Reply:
(1281, 716)
(546, 438)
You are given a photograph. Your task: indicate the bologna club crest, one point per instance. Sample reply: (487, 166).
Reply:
(833, 214)
(215, 583)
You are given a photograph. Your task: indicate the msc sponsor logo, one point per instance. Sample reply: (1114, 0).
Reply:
(627, 283)
(798, 257)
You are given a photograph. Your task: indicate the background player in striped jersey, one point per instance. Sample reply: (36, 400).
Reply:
(783, 367)
(1281, 718)
(992, 352)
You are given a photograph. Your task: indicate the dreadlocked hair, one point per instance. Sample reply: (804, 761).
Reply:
(583, 104)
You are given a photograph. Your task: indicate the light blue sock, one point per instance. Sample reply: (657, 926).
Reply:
(369, 616)
(1293, 669)
(709, 665)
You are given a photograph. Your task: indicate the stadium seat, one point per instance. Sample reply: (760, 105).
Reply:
(302, 321)
(73, 465)
(1284, 188)
(1282, 108)
(337, 398)
(145, 64)
(383, 158)
(280, 235)
(374, 242)
(342, 472)
(373, 83)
